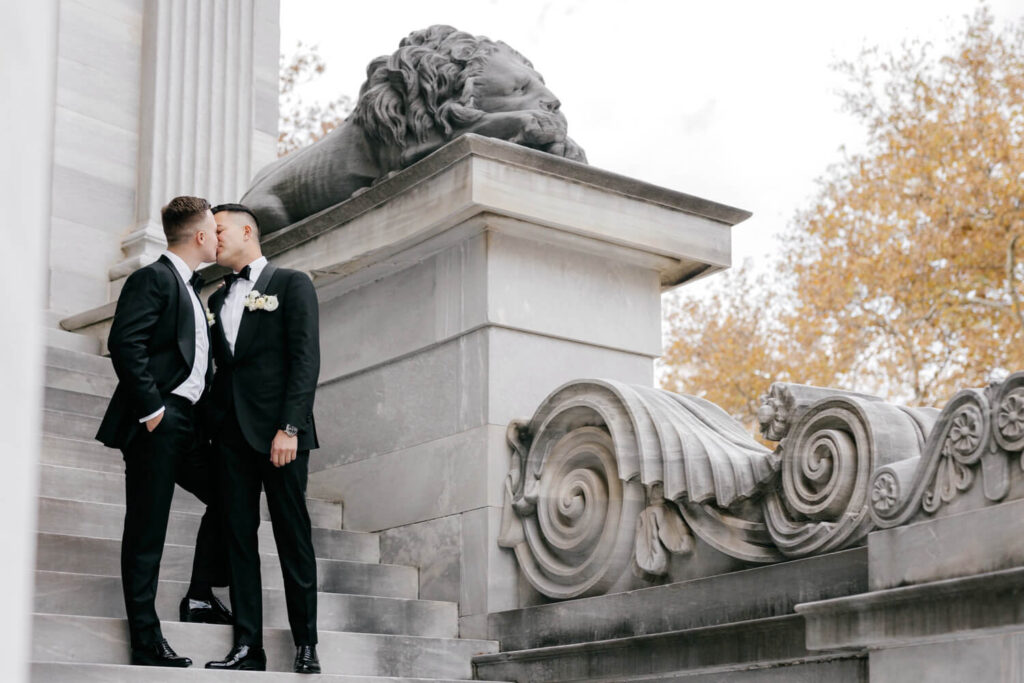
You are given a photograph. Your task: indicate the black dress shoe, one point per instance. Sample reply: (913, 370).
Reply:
(210, 611)
(159, 653)
(306, 661)
(243, 657)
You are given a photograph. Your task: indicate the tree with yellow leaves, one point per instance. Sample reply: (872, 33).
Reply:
(902, 276)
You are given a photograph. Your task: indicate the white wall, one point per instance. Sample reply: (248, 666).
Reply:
(28, 52)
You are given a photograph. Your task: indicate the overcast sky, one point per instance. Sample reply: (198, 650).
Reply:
(731, 101)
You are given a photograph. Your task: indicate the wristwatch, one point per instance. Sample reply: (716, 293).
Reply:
(290, 430)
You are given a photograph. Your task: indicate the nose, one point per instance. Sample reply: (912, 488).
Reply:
(547, 99)
(550, 103)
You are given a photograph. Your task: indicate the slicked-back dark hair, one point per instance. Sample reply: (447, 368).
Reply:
(180, 216)
(240, 208)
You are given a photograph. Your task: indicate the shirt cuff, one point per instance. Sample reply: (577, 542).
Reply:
(150, 417)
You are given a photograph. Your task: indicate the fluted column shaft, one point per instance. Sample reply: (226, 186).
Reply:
(209, 72)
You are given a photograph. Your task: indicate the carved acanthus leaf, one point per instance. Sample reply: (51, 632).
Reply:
(660, 532)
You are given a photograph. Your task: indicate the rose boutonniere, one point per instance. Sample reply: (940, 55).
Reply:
(210, 319)
(255, 301)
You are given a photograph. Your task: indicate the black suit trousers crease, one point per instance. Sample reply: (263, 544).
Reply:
(154, 461)
(243, 472)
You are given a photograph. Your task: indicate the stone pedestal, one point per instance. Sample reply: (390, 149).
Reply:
(454, 297)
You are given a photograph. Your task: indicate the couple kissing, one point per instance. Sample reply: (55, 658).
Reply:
(221, 403)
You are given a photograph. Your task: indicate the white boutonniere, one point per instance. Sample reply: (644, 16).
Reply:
(255, 301)
(210, 319)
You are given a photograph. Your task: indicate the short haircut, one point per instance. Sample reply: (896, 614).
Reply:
(180, 216)
(240, 208)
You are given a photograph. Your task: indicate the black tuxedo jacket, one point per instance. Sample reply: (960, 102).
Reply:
(152, 346)
(270, 379)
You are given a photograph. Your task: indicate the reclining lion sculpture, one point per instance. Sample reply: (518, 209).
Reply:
(439, 84)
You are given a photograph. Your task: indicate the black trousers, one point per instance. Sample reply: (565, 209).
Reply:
(154, 462)
(243, 472)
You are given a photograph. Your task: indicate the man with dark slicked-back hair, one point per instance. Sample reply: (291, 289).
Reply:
(266, 342)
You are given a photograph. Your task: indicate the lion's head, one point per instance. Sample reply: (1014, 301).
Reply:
(441, 81)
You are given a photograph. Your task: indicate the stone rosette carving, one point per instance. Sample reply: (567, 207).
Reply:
(978, 436)
(609, 477)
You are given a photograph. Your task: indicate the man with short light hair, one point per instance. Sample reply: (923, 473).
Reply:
(160, 347)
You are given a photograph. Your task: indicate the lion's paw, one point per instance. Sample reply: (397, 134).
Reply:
(539, 128)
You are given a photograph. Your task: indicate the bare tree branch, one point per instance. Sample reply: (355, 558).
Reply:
(1011, 285)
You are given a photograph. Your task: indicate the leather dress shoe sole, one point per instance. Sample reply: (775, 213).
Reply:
(244, 665)
(206, 613)
(149, 660)
(251, 661)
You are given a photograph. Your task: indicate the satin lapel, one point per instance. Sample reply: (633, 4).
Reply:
(186, 317)
(218, 326)
(250, 319)
(209, 340)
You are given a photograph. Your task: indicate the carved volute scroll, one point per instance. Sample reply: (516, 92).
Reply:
(828, 458)
(608, 477)
(568, 515)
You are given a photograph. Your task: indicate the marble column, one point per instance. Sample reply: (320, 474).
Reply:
(208, 114)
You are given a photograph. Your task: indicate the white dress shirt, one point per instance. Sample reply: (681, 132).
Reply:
(192, 387)
(231, 311)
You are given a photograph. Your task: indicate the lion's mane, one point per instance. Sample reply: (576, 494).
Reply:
(425, 86)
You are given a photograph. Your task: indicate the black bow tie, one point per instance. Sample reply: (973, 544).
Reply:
(196, 282)
(232, 278)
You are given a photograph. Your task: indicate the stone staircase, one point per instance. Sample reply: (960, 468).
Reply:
(372, 625)
(739, 626)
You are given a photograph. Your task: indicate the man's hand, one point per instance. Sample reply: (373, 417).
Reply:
(154, 421)
(282, 450)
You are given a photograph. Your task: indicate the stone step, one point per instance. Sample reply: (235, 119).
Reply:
(79, 428)
(77, 402)
(92, 486)
(101, 596)
(100, 640)
(668, 656)
(70, 425)
(83, 555)
(83, 382)
(845, 668)
(86, 454)
(72, 483)
(767, 591)
(104, 520)
(56, 672)
(62, 340)
(70, 359)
